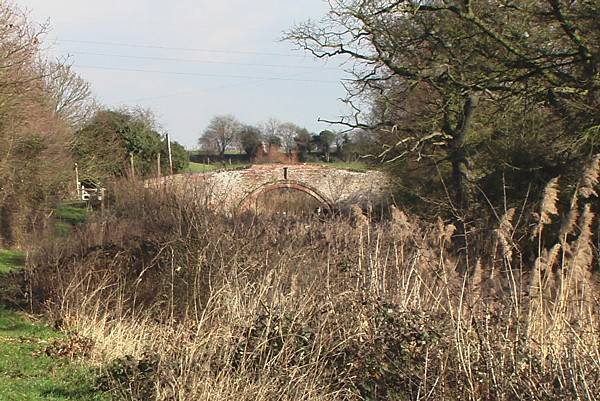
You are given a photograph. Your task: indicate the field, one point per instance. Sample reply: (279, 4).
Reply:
(201, 168)
(356, 166)
(206, 168)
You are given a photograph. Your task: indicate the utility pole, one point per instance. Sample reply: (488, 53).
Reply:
(77, 181)
(132, 167)
(170, 155)
(102, 199)
(158, 172)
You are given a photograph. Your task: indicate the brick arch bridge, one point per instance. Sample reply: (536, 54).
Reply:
(236, 190)
(250, 199)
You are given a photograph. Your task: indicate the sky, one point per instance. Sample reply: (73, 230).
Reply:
(190, 60)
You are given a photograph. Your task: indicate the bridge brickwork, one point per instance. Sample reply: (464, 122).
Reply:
(237, 189)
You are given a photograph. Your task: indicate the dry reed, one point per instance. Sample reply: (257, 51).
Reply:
(183, 303)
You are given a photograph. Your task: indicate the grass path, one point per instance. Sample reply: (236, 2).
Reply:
(10, 261)
(26, 372)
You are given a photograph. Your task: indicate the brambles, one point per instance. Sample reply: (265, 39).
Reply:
(74, 347)
(134, 377)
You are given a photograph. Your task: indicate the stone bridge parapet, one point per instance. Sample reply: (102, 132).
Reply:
(235, 190)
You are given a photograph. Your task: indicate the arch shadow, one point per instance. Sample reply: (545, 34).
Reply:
(246, 203)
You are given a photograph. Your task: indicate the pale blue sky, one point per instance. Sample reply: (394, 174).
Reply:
(248, 72)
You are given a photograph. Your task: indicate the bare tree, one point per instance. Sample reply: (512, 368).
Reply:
(270, 132)
(436, 64)
(19, 49)
(34, 157)
(288, 132)
(146, 117)
(71, 95)
(221, 134)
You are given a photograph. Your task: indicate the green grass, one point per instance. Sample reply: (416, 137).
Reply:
(200, 167)
(11, 261)
(69, 215)
(206, 168)
(27, 374)
(354, 166)
(73, 215)
(233, 152)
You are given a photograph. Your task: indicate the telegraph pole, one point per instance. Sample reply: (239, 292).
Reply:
(158, 172)
(170, 155)
(77, 181)
(132, 166)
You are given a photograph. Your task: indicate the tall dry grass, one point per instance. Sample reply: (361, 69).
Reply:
(182, 303)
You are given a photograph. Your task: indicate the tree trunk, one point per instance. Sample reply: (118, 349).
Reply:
(460, 177)
(7, 214)
(458, 157)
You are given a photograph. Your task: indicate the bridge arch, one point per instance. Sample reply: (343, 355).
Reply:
(252, 197)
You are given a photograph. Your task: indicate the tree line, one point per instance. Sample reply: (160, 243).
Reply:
(226, 133)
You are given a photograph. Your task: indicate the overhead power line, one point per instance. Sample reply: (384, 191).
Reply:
(204, 61)
(190, 49)
(199, 74)
(247, 82)
(206, 90)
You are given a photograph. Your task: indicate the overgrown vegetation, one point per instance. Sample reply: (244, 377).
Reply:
(181, 302)
(34, 160)
(484, 111)
(50, 121)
